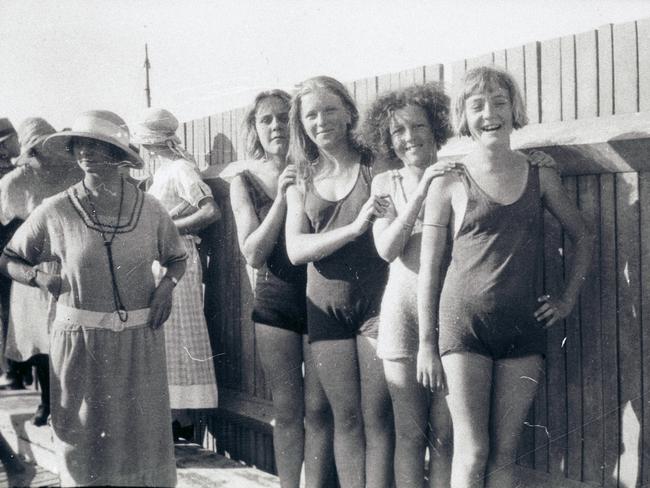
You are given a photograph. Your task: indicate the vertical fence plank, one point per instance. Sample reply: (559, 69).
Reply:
(409, 77)
(643, 43)
(644, 206)
(215, 156)
(383, 83)
(552, 72)
(587, 74)
(629, 326)
(569, 88)
(189, 136)
(555, 355)
(199, 148)
(605, 71)
(394, 81)
(516, 67)
(625, 68)
(500, 59)
(457, 71)
(434, 72)
(608, 273)
(573, 364)
(532, 87)
(590, 327)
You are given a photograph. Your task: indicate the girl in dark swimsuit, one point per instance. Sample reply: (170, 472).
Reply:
(328, 226)
(258, 196)
(491, 341)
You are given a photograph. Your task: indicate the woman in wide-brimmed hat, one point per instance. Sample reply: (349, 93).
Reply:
(178, 186)
(110, 403)
(32, 310)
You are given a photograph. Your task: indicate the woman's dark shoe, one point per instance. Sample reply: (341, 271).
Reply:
(40, 417)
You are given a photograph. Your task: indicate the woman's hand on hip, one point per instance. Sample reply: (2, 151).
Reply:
(552, 310)
(161, 304)
(429, 369)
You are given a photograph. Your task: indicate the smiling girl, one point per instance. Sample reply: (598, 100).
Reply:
(487, 324)
(258, 197)
(330, 212)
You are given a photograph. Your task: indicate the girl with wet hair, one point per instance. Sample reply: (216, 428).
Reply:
(303, 424)
(329, 217)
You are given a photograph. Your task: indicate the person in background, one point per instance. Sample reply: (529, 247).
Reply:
(9, 146)
(32, 310)
(109, 394)
(178, 187)
(303, 424)
(407, 128)
(329, 214)
(14, 376)
(481, 326)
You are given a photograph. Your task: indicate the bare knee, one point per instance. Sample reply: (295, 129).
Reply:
(472, 458)
(287, 412)
(379, 418)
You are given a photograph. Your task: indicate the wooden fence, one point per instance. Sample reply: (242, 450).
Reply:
(588, 99)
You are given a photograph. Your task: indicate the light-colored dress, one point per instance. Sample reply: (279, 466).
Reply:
(31, 310)
(190, 368)
(398, 319)
(110, 403)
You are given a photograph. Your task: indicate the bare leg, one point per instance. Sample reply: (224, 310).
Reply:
(441, 443)
(281, 353)
(320, 471)
(338, 370)
(377, 416)
(469, 379)
(514, 387)
(411, 409)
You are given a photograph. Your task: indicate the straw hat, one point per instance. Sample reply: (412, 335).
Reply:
(156, 127)
(98, 125)
(32, 132)
(6, 129)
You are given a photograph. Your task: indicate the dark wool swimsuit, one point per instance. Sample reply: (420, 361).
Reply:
(344, 289)
(488, 298)
(280, 286)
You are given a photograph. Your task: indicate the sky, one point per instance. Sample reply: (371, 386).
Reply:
(61, 58)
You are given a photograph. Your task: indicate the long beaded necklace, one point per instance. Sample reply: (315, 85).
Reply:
(122, 313)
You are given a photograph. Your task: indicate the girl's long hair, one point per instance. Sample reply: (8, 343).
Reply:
(302, 150)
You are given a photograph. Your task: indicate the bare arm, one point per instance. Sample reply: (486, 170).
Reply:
(23, 272)
(304, 247)
(392, 231)
(434, 241)
(557, 202)
(160, 305)
(207, 213)
(256, 240)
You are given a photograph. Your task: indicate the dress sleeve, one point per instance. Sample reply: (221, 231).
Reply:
(190, 187)
(170, 244)
(12, 199)
(32, 241)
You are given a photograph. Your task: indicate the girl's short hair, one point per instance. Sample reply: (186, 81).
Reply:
(254, 147)
(430, 97)
(482, 79)
(302, 150)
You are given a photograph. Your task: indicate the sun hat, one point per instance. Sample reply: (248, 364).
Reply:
(156, 127)
(98, 125)
(32, 132)
(6, 129)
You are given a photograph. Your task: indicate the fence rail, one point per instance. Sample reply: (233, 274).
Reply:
(591, 419)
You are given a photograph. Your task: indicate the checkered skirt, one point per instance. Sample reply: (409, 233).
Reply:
(190, 366)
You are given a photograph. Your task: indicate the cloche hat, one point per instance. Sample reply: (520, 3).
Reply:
(32, 132)
(156, 126)
(6, 129)
(98, 125)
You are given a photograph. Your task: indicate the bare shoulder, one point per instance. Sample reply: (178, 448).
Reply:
(444, 186)
(381, 182)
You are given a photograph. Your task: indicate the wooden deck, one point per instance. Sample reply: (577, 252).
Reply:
(197, 467)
